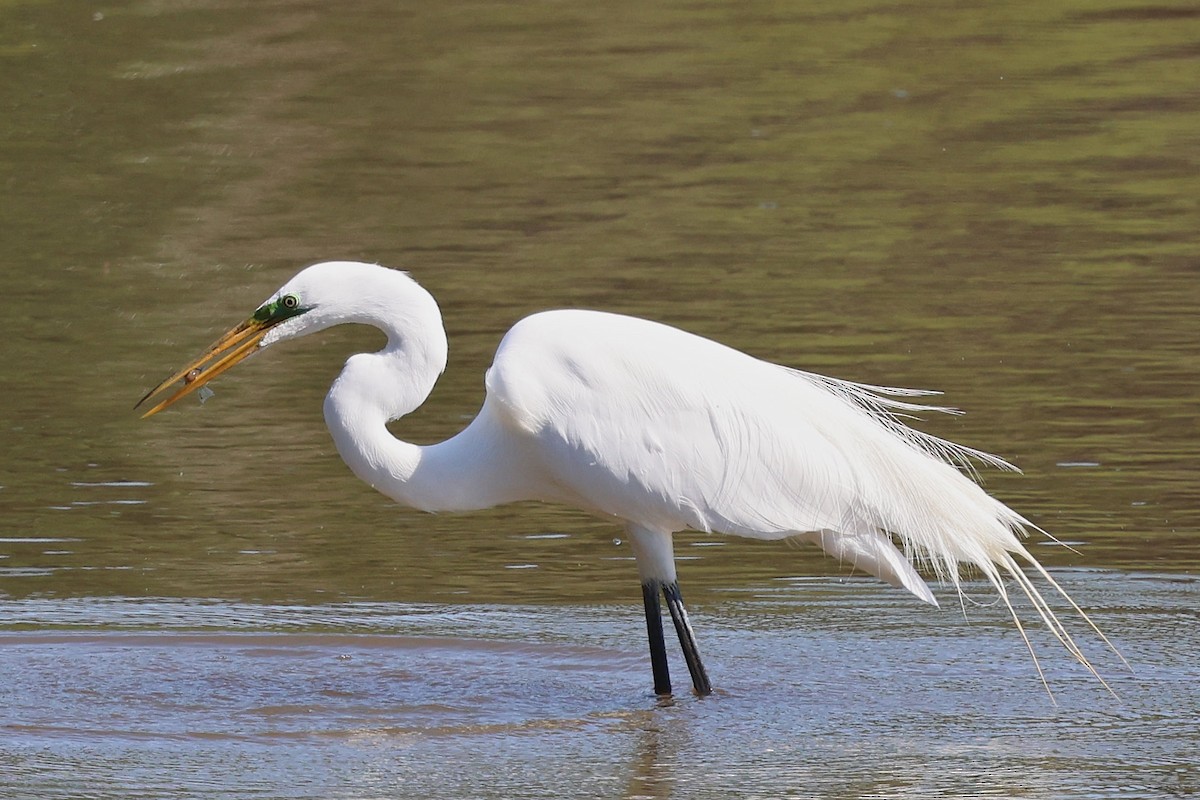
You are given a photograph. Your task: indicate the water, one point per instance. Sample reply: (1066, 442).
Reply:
(999, 203)
(827, 690)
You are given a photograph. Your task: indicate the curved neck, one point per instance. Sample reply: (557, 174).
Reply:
(463, 473)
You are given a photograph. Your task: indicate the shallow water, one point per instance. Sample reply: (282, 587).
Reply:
(997, 202)
(824, 690)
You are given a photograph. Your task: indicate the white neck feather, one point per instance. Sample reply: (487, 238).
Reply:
(462, 473)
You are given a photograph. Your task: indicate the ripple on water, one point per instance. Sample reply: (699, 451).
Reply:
(819, 684)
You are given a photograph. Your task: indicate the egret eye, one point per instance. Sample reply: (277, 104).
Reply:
(290, 302)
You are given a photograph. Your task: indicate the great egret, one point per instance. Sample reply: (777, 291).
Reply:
(656, 428)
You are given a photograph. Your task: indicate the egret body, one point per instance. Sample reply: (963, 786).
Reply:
(655, 428)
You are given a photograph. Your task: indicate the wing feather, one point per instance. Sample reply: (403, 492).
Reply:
(669, 431)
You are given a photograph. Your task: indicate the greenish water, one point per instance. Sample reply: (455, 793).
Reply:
(997, 202)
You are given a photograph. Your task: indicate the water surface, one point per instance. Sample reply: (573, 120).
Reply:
(824, 690)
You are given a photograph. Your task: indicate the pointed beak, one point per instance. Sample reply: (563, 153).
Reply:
(227, 351)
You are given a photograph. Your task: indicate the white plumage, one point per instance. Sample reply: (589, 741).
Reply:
(661, 430)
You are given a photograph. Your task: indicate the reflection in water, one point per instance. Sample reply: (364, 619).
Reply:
(654, 760)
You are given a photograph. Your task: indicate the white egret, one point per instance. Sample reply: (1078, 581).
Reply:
(659, 429)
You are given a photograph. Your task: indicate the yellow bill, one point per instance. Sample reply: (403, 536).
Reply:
(224, 353)
(227, 351)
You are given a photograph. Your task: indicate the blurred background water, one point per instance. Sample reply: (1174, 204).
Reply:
(1000, 202)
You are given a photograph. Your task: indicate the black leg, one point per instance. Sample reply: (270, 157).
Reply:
(687, 639)
(654, 629)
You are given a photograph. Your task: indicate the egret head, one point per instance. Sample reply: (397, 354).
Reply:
(318, 297)
(338, 292)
